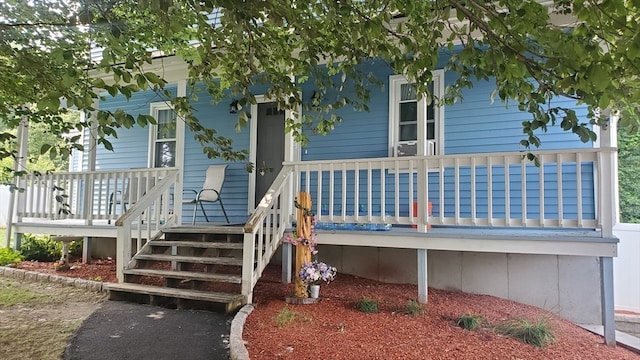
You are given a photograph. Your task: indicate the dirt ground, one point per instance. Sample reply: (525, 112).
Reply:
(37, 319)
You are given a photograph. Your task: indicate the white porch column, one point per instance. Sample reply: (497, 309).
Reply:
(287, 262)
(180, 134)
(87, 206)
(17, 199)
(422, 276)
(608, 215)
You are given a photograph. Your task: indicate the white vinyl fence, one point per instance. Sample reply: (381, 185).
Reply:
(4, 206)
(626, 268)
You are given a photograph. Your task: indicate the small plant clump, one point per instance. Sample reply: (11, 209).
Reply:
(414, 308)
(368, 306)
(287, 316)
(471, 321)
(537, 333)
(9, 256)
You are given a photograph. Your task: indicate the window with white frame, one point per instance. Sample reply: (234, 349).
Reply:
(162, 150)
(410, 117)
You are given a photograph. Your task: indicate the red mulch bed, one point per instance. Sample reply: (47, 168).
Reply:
(97, 269)
(335, 329)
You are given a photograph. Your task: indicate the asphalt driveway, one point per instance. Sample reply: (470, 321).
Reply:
(121, 330)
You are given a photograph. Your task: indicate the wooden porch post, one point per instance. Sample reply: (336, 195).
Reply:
(303, 229)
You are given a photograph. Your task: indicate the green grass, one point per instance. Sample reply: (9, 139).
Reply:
(368, 306)
(414, 308)
(13, 295)
(287, 316)
(471, 321)
(537, 333)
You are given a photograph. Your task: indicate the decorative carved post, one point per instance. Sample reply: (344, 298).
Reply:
(303, 230)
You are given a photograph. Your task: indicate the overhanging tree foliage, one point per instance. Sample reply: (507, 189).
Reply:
(588, 50)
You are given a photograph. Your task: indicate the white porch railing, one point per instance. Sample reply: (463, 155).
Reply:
(145, 220)
(264, 230)
(89, 196)
(492, 189)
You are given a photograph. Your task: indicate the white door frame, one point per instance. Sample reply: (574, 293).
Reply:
(291, 148)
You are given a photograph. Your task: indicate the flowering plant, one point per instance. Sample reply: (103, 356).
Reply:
(299, 240)
(316, 271)
(310, 241)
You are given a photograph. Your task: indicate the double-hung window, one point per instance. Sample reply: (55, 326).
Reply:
(162, 152)
(412, 119)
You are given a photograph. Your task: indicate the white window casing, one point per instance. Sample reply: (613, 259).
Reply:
(415, 126)
(163, 137)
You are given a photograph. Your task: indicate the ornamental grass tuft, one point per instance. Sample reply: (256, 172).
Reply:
(367, 305)
(537, 333)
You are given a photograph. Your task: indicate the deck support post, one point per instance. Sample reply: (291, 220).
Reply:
(422, 276)
(286, 262)
(86, 250)
(606, 299)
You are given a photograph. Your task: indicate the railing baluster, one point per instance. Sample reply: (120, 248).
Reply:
(489, 191)
(507, 192)
(356, 191)
(579, 188)
(456, 190)
(523, 185)
(441, 189)
(560, 190)
(396, 190)
(541, 188)
(383, 182)
(332, 191)
(369, 190)
(474, 193)
(344, 192)
(319, 194)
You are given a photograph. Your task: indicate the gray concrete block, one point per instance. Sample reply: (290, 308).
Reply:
(485, 273)
(398, 266)
(445, 269)
(533, 280)
(361, 261)
(579, 281)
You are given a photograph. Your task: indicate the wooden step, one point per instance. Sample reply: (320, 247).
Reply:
(211, 229)
(195, 244)
(174, 274)
(190, 259)
(231, 301)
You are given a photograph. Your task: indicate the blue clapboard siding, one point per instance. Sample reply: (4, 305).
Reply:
(131, 148)
(234, 191)
(472, 125)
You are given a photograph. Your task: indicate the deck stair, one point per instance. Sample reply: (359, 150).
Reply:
(189, 267)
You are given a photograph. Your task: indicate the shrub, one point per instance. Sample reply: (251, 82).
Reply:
(414, 308)
(368, 306)
(538, 333)
(471, 321)
(42, 248)
(9, 256)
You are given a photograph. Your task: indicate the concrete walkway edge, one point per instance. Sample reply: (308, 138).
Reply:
(237, 350)
(623, 339)
(20, 274)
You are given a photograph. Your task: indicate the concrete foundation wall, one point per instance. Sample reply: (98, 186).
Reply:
(102, 247)
(566, 285)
